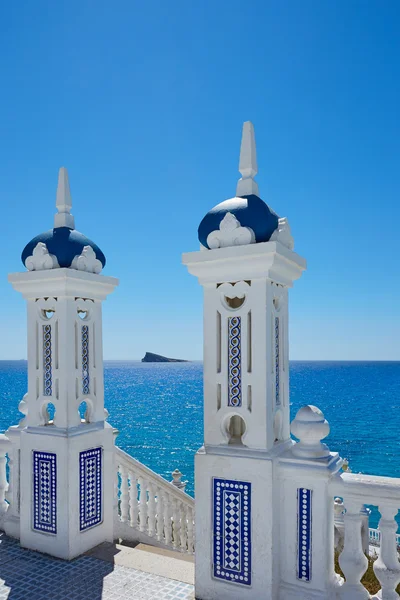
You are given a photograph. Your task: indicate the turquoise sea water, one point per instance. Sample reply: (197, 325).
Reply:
(158, 410)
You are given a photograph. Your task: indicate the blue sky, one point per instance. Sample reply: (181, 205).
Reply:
(144, 102)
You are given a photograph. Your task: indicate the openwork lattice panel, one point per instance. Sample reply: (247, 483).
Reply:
(45, 491)
(90, 462)
(234, 361)
(232, 530)
(304, 543)
(277, 362)
(85, 360)
(47, 366)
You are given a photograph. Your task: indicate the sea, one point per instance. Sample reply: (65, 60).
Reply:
(157, 408)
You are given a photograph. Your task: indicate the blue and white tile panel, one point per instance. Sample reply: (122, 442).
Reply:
(234, 362)
(85, 360)
(90, 488)
(45, 491)
(47, 366)
(232, 530)
(304, 533)
(277, 362)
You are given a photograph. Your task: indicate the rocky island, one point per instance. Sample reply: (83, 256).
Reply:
(150, 357)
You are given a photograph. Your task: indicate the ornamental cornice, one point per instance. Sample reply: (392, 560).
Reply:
(267, 259)
(62, 282)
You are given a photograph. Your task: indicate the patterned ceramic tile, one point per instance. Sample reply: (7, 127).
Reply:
(33, 576)
(85, 360)
(47, 370)
(45, 492)
(90, 464)
(234, 362)
(232, 531)
(304, 544)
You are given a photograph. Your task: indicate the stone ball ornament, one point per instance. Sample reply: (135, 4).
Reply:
(310, 427)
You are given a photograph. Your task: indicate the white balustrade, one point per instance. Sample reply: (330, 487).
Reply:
(151, 507)
(383, 492)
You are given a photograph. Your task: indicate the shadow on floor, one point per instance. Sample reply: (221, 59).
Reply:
(27, 575)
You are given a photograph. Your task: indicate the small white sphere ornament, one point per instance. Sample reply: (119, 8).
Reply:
(310, 427)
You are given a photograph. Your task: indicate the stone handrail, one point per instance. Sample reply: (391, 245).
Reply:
(357, 490)
(150, 509)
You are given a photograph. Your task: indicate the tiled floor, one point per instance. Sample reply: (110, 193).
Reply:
(26, 575)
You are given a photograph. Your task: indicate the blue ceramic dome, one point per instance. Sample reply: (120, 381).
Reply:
(65, 243)
(250, 211)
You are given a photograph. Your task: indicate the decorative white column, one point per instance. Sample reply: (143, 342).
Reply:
(245, 278)
(307, 511)
(66, 463)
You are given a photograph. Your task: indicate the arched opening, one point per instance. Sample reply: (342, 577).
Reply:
(49, 410)
(234, 303)
(236, 428)
(84, 412)
(278, 423)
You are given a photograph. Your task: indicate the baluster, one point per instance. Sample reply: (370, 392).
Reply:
(160, 516)
(190, 539)
(352, 560)
(3, 482)
(176, 524)
(167, 520)
(11, 474)
(151, 511)
(143, 504)
(124, 495)
(183, 528)
(116, 494)
(133, 501)
(387, 566)
(338, 507)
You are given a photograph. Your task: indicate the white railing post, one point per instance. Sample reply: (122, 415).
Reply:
(183, 529)
(365, 514)
(167, 520)
(143, 504)
(387, 566)
(177, 480)
(352, 560)
(176, 542)
(151, 511)
(3, 483)
(133, 500)
(190, 540)
(124, 499)
(338, 508)
(160, 516)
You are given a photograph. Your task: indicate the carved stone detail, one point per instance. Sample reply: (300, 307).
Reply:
(41, 259)
(87, 261)
(230, 233)
(283, 234)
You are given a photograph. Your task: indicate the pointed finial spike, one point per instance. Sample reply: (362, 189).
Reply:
(247, 162)
(63, 218)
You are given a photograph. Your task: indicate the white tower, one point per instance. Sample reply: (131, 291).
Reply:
(246, 265)
(66, 463)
